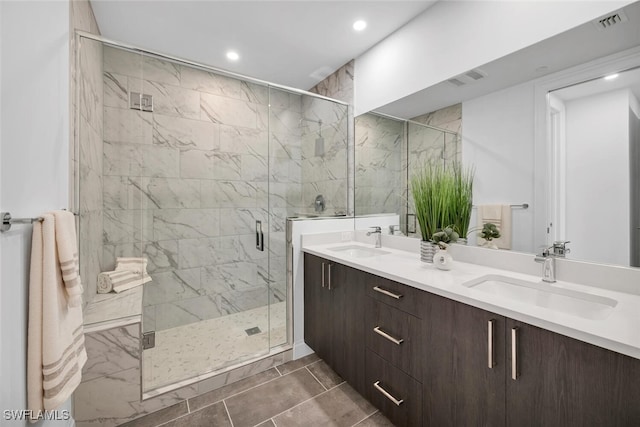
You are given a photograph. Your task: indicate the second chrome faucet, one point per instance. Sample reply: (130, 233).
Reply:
(548, 260)
(378, 232)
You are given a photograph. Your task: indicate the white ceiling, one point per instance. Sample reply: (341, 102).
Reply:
(294, 43)
(577, 46)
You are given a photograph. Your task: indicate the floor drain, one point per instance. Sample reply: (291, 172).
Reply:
(253, 331)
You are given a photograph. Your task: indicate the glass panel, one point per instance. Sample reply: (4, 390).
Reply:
(307, 177)
(186, 188)
(88, 149)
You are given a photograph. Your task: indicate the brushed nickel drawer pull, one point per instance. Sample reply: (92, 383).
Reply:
(386, 292)
(387, 394)
(514, 353)
(382, 333)
(490, 353)
(323, 274)
(329, 278)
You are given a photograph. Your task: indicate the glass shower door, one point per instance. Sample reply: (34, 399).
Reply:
(186, 187)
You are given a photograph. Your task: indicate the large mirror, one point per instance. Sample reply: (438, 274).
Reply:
(522, 121)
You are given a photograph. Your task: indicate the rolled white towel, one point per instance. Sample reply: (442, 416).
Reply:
(118, 281)
(137, 265)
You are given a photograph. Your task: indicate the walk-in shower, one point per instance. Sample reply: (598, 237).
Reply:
(198, 176)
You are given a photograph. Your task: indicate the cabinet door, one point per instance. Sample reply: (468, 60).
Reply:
(347, 304)
(460, 389)
(317, 318)
(565, 382)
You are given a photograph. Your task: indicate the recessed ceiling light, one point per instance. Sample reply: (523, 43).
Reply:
(359, 25)
(611, 76)
(232, 55)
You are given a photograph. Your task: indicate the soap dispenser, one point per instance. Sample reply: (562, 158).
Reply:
(442, 258)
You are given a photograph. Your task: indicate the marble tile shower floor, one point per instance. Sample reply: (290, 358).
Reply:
(191, 350)
(304, 392)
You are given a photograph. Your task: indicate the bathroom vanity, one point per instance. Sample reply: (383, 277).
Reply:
(428, 347)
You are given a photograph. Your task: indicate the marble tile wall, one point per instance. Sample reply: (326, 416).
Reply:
(378, 155)
(184, 185)
(339, 188)
(86, 148)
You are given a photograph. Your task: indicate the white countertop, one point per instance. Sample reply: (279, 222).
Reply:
(618, 331)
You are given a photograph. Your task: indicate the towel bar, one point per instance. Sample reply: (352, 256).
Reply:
(521, 205)
(8, 221)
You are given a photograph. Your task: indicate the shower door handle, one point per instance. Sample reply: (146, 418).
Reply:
(259, 236)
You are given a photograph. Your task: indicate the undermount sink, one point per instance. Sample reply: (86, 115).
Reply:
(541, 294)
(359, 251)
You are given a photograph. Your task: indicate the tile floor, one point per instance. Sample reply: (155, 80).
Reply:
(304, 392)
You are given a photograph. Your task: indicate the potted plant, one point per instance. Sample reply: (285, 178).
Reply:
(462, 203)
(442, 199)
(488, 233)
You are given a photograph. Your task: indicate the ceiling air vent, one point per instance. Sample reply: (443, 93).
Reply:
(475, 74)
(469, 77)
(456, 82)
(609, 21)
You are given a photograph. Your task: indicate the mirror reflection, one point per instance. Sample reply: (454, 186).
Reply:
(388, 151)
(573, 168)
(595, 197)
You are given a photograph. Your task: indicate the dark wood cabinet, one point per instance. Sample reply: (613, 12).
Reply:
(317, 308)
(334, 316)
(427, 360)
(561, 381)
(460, 343)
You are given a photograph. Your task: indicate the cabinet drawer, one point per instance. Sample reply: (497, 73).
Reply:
(394, 335)
(396, 394)
(396, 295)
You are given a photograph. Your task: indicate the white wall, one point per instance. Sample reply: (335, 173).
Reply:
(452, 37)
(598, 134)
(34, 165)
(498, 139)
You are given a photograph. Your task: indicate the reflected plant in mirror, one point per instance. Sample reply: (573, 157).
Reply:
(442, 197)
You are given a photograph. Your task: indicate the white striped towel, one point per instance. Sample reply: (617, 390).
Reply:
(55, 346)
(66, 242)
(137, 265)
(118, 281)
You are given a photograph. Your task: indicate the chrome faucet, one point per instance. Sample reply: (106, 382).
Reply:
(378, 232)
(560, 248)
(548, 260)
(318, 204)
